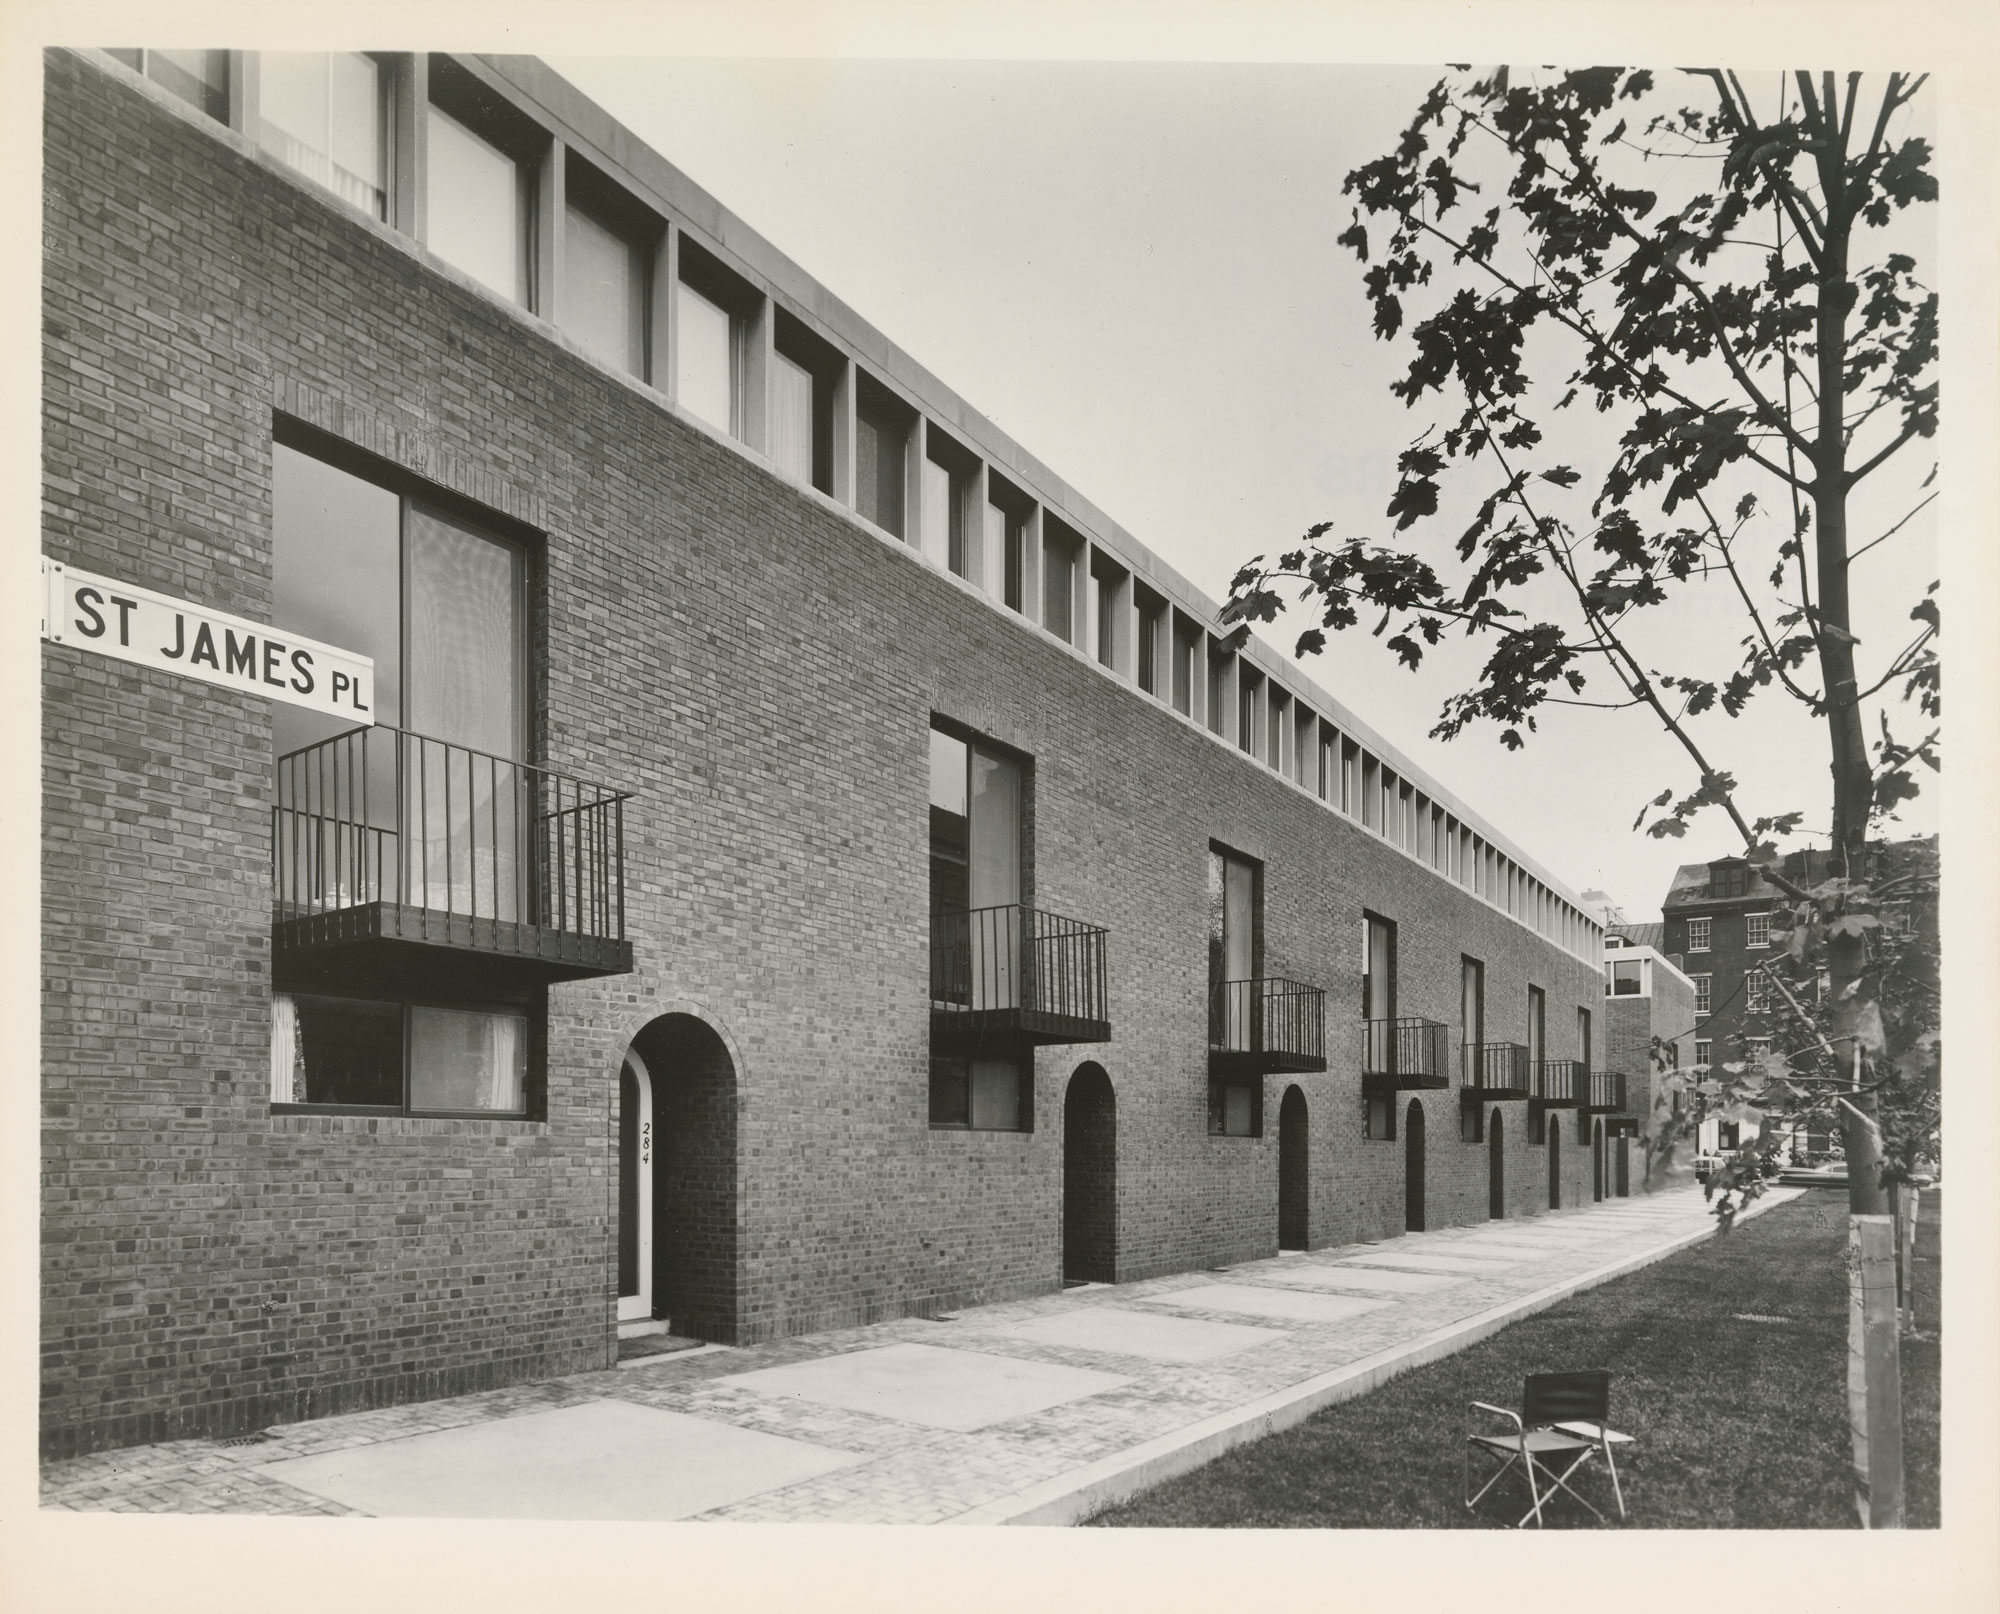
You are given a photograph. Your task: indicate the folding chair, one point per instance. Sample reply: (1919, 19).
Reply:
(1559, 1429)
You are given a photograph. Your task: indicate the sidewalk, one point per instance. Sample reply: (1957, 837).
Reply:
(1036, 1411)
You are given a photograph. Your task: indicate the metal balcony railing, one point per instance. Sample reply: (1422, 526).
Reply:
(1409, 1052)
(1494, 1069)
(1266, 1025)
(454, 846)
(1561, 1083)
(1018, 970)
(1607, 1092)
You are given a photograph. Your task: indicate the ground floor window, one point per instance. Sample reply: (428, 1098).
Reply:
(981, 1095)
(398, 1057)
(1471, 1123)
(1235, 1109)
(1380, 1120)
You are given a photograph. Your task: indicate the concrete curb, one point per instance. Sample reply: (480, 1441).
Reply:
(1070, 1497)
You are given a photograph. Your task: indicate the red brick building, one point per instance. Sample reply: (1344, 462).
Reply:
(806, 865)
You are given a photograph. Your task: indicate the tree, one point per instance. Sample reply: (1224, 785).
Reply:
(1730, 295)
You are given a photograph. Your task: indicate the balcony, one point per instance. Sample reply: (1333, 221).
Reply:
(1606, 1093)
(1408, 1053)
(1493, 1070)
(1559, 1084)
(411, 860)
(1010, 975)
(1266, 1027)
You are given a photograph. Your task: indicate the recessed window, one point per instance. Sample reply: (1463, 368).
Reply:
(1471, 1009)
(326, 114)
(478, 207)
(1062, 559)
(805, 378)
(1233, 1109)
(1701, 998)
(1109, 605)
(607, 273)
(1249, 708)
(1583, 1043)
(1218, 689)
(1379, 1118)
(714, 311)
(1378, 968)
(1305, 750)
(978, 1095)
(1472, 1123)
(950, 481)
(1187, 664)
(1371, 792)
(398, 1057)
(1758, 927)
(1538, 1043)
(1627, 977)
(1004, 551)
(1350, 777)
(882, 427)
(1278, 730)
(1329, 764)
(198, 77)
(1150, 662)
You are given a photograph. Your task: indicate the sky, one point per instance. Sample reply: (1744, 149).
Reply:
(1132, 269)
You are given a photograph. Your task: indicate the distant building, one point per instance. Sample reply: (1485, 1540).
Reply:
(1649, 1024)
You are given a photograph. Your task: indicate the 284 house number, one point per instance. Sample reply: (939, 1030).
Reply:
(645, 1143)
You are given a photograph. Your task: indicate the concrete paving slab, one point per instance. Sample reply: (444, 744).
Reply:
(930, 1384)
(1362, 1280)
(602, 1460)
(1120, 1332)
(1422, 1261)
(1257, 1301)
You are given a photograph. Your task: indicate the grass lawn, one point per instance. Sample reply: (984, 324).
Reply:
(1740, 1424)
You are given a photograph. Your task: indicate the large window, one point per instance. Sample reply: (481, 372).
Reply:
(1583, 1043)
(975, 879)
(439, 602)
(1471, 1036)
(326, 114)
(478, 207)
(198, 77)
(1378, 968)
(1235, 912)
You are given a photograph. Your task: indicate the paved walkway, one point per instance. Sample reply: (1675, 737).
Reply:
(1036, 1411)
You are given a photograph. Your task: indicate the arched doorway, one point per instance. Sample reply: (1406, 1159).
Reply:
(1496, 1170)
(684, 1071)
(1090, 1178)
(635, 1189)
(1413, 1168)
(1555, 1164)
(1597, 1162)
(1294, 1215)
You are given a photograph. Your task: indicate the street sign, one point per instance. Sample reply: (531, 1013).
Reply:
(176, 636)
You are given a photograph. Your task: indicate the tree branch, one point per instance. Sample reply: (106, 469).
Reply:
(1909, 430)
(1857, 554)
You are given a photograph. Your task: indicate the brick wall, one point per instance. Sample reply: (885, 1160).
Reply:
(763, 674)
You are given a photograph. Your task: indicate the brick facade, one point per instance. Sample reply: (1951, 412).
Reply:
(762, 672)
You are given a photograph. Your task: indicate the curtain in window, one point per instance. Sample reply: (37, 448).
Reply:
(792, 418)
(286, 1080)
(995, 880)
(466, 1060)
(464, 690)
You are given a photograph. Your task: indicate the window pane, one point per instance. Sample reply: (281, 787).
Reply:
(1058, 585)
(198, 77)
(464, 1060)
(996, 831)
(1149, 652)
(475, 207)
(879, 440)
(704, 370)
(1105, 596)
(464, 629)
(335, 577)
(936, 527)
(1236, 1111)
(996, 1095)
(791, 418)
(322, 114)
(951, 1098)
(950, 832)
(344, 1051)
(602, 291)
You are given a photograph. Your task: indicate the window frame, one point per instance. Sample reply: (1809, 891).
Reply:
(1757, 930)
(454, 92)
(1704, 993)
(1702, 928)
(532, 1011)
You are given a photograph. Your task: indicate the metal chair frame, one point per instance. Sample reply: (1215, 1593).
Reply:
(1562, 1416)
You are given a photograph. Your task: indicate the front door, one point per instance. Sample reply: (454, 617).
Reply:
(635, 1190)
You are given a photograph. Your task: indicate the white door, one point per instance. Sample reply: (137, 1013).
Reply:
(635, 1190)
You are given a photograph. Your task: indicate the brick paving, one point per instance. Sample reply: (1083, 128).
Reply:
(918, 1474)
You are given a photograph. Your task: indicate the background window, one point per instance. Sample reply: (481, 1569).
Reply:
(1759, 991)
(981, 1095)
(198, 77)
(1058, 585)
(1626, 976)
(604, 292)
(1700, 993)
(1378, 968)
(707, 373)
(1698, 935)
(325, 114)
(1379, 1119)
(1218, 691)
(477, 207)
(1538, 1005)
(1759, 930)
(1703, 1049)
(1233, 1109)
(1001, 557)
(881, 440)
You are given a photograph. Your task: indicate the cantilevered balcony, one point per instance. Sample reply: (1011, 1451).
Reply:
(1012, 975)
(1559, 1084)
(1493, 1070)
(1403, 1054)
(401, 856)
(1606, 1093)
(1266, 1026)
